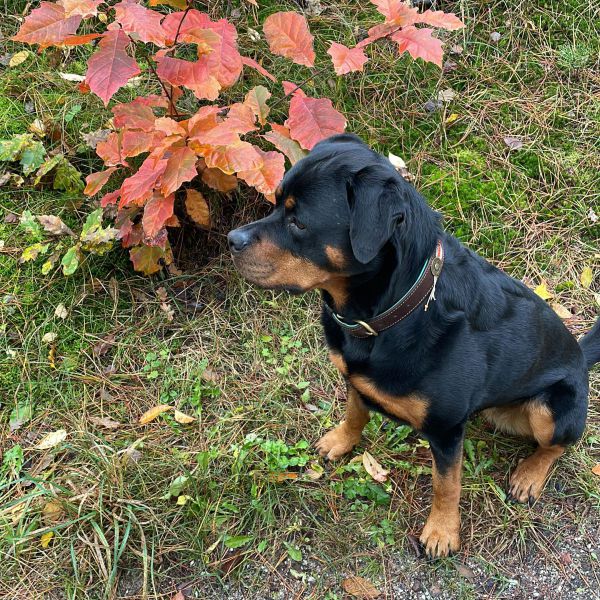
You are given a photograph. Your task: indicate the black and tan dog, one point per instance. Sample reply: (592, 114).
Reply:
(424, 330)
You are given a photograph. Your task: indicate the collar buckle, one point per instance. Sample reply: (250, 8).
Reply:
(367, 327)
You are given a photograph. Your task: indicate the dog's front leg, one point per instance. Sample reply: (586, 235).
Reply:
(346, 435)
(441, 534)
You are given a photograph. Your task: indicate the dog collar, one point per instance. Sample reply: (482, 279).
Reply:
(423, 288)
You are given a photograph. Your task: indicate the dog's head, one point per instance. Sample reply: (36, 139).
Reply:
(335, 211)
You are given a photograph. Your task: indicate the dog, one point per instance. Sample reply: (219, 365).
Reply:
(423, 330)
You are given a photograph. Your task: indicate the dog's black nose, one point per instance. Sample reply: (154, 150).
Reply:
(238, 240)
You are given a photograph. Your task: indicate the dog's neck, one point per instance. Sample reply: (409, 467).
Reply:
(389, 276)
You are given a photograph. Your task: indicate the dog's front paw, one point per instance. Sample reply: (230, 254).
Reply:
(337, 442)
(441, 535)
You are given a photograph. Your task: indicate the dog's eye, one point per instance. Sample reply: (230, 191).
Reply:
(293, 222)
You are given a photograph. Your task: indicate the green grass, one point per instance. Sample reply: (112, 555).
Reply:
(251, 367)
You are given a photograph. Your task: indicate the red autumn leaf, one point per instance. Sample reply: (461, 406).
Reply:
(376, 33)
(397, 12)
(250, 62)
(181, 167)
(266, 176)
(439, 18)
(138, 188)
(288, 35)
(292, 88)
(110, 67)
(134, 115)
(156, 212)
(79, 40)
(130, 234)
(47, 26)
(206, 40)
(313, 119)
(169, 126)
(419, 43)
(291, 148)
(138, 142)
(183, 22)
(224, 61)
(110, 198)
(153, 100)
(256, 99)
(193, 75)
(345, 60)
(203, 121)
(142, 21)
(110, 150)
(146, 259)
(84, 8)
(95, 182)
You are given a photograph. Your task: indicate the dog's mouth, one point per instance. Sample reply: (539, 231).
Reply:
(257, 273)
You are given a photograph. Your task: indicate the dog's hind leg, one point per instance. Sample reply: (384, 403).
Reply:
(346, 435)
(556, 420)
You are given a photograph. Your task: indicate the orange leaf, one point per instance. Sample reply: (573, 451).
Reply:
(236, 157)
(79, 40)
(181, 167)
(183, 418)
(146, 259)
(95, 182)
(283, 143)
(288, 35)
(153, 412)
(596, 470)
(267, 175)
(217, 180)
(397, 12)
(195, 76)
(110, 198)
(313, 119)
(110, 150)
(256, 99)
(156, 212)
(419, 43)
(250, 62)
(137, 142)
(47, 25)
(373, 468)
(169, 126)
(84, 8)
(345, 60)
(110, 67)
(134, 115)
(197, 208)
(142, 21)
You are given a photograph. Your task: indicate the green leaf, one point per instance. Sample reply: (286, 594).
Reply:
(586, 277)
(72, 112)
(20, 415)
(237, 541)
(47, 166)
(10, 150)
(31, 226)
(68, 178)
(177, 486)
(94, 237)
(32, 252)
(293, 552)
(70, 261)
(32, 157)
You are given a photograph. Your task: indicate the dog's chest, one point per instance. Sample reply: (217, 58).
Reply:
(409, 407)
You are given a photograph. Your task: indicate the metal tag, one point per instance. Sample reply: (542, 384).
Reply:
(436, 266)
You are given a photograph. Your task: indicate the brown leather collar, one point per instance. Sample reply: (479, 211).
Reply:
(423, 288)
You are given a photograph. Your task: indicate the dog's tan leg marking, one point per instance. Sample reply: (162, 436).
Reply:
(346, 435)
(528, 479)
(441, 534)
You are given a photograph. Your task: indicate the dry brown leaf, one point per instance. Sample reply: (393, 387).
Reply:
(562, 311)
(52, 439)
(359, 587)
(54, 225)
(596, 470)
(52, 511)
(178, 596)
(183, 418)
(154, 412)
(105, 422)
(103, 345)
(373, 468)
(197, 208)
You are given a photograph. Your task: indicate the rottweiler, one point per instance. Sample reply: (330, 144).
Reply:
(423, 330)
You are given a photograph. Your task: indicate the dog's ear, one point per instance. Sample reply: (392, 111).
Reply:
(375, 209)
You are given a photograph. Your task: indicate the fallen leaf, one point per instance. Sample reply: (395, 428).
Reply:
(93, 138)
(446, 95)
(103, 345)
(38, 127)
(183, 418)
(542, 291)
(514, 143)
(20, 415)
(49, 337)
(19, 57)
(154, 412)
(562, 311)
(52, 439)
(452, 118)
(54, 225)
(465, 571)
(373, 468)
(359, 587)
(592, 216)
(105, 422)
(52, 511)
(586, 277)
(61, 311)
(46, 538)
(315, 471)
(495, 36)
(280, 477)
(72, 77)
(596, 470)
